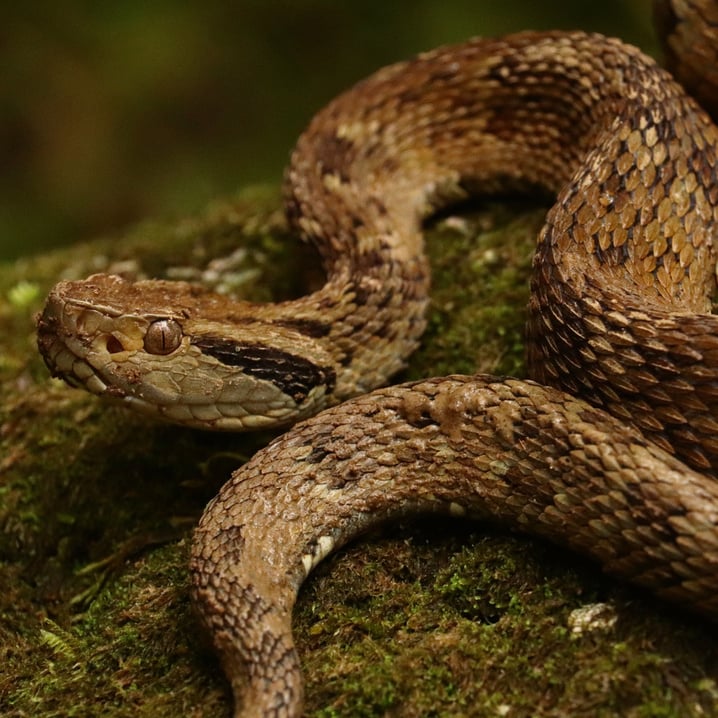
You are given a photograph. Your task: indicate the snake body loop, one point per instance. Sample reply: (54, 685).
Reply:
(624, 274)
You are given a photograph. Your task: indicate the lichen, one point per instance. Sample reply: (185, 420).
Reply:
(427, 618)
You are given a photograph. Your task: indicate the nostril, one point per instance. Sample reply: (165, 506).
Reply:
(114, 345)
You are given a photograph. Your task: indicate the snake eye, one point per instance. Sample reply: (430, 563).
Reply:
(163, 336)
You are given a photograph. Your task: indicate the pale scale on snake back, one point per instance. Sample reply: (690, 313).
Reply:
(618, 461)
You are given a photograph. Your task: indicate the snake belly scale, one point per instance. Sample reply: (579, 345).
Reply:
(618, 460)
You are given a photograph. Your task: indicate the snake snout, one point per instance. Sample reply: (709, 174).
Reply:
(63, 342)
(49, 330)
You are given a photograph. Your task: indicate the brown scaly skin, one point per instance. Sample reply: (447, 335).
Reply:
(688, 30)
(510, 451)
(623, 280)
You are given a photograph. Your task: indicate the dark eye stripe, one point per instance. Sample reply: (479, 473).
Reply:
(294, 375)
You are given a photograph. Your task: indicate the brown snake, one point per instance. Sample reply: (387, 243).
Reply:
(620, 315)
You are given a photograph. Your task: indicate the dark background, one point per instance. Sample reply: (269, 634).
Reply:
(112, 112)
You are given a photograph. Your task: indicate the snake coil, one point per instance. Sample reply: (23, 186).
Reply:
(619, 316)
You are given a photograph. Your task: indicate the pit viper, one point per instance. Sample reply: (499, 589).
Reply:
(611, 448)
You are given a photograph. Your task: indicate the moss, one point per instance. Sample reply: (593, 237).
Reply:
(461, 621)
(428, 618)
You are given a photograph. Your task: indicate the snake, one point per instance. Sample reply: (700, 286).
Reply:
(609, 448)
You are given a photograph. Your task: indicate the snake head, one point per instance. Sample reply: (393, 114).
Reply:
(182, 353)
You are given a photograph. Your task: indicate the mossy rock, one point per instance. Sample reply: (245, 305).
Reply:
(427, 618)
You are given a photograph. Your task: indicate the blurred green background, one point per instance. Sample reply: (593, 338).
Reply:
(112, 112)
